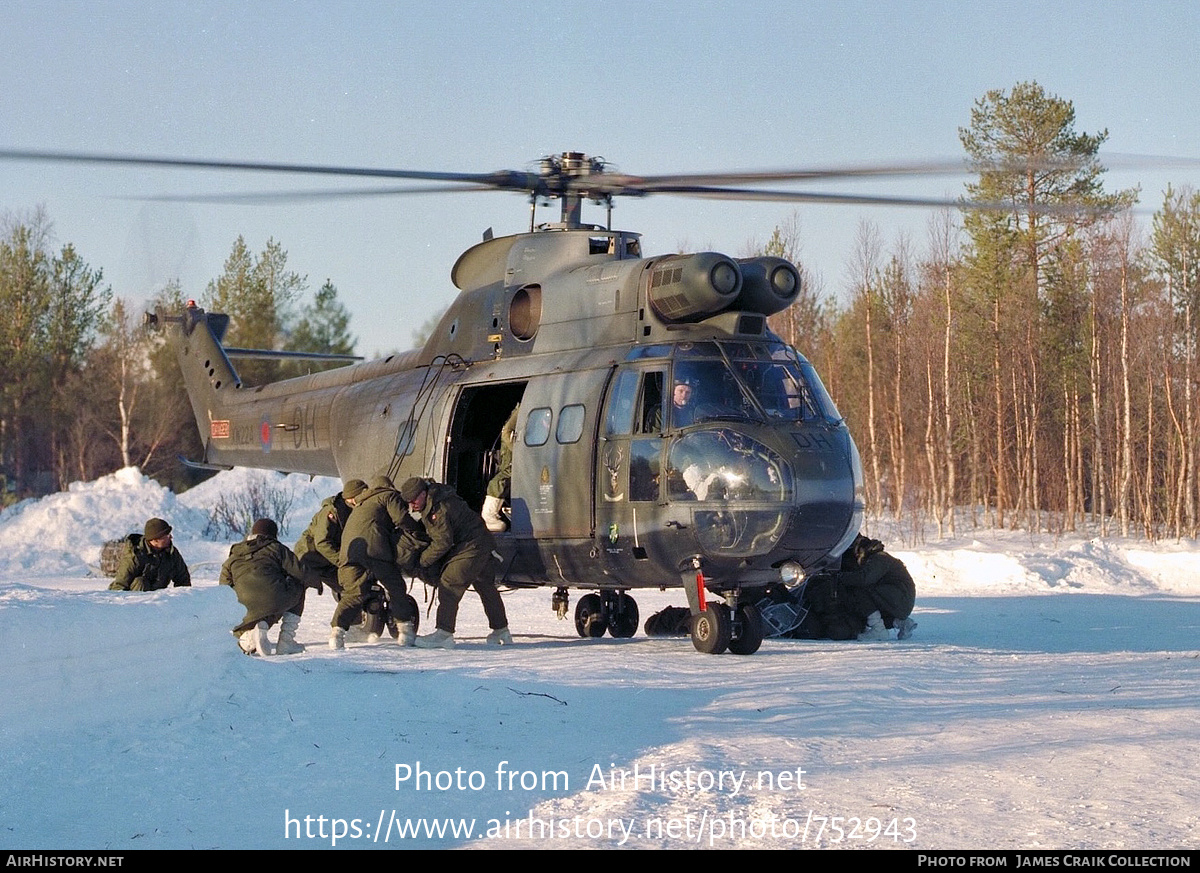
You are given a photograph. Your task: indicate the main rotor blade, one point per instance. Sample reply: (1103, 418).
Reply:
(1132, 161)
(620, 183)
(806, 197)
(655, 184)
(554, 181)
(267, 198)
(872, 200)
(502, 179)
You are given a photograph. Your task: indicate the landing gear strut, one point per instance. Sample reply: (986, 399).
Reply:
(718, 627)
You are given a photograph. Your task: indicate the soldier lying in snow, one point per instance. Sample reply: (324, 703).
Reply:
(149, 561)
(871, 593)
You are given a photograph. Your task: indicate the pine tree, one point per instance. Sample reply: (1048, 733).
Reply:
(1176, 246)
(52, 305)
(324, 325)
(1040, 181)
(24, 297)
(323, 328)
(1029, 158)
(257, 294)
(76, 307)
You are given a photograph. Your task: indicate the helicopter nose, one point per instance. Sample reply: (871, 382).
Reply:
(827, 508)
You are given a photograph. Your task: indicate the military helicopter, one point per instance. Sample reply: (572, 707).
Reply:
(667, 438)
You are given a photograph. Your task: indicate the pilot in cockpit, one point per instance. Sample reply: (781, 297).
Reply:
(682, 411)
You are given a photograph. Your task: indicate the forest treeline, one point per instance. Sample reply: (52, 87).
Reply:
(1033, 360)
(86, 388)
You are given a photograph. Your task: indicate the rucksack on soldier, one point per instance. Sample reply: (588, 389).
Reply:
(110, 556)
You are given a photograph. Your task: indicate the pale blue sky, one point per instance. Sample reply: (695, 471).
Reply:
(474, 86)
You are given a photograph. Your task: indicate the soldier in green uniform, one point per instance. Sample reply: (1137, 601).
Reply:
(460, 555)
(872, 593)
(500, 484)
(877, 587)
(150, 561)
(368, 555)
(270, 582)
(319, 547)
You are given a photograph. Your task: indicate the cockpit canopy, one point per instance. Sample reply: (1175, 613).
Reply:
(738, 438)
(721, 381)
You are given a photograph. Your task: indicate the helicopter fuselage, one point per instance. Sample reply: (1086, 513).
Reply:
(663, 429)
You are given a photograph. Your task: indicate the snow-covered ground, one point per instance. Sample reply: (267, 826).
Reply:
(1050, 698)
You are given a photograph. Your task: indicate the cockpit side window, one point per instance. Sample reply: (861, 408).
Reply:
(650, 411)
(621, 404)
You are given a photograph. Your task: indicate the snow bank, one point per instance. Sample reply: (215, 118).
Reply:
(63, 533)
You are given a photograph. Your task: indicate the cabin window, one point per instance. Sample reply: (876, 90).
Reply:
(570, 423)
(537, 427)
(406, 439)
(726, 466)
(705, 390)
(638, 352)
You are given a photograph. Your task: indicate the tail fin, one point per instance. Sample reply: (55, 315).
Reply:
(208, 375)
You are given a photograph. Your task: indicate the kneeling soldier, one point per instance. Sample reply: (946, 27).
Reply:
(270, 582)
(368, 556)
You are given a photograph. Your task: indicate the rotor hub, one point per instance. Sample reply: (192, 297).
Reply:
(568, 166)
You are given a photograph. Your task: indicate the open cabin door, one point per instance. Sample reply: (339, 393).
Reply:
(473, 453)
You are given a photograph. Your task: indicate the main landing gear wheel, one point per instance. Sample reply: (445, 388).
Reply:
(747, 631)
(622, 616)
(589, 616)
(612, 611)
(378, 615)
(416, 613)
(712, 629)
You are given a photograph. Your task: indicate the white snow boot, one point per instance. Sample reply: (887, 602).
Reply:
(876, 629)
(337, 639)
(904, 628)
(255, 641)
(408, 633)
(439, 639)
(500, 637)
(287, 645)
(491, 515)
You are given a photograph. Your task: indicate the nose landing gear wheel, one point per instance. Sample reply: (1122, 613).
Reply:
(748, 631)
(712, 629)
